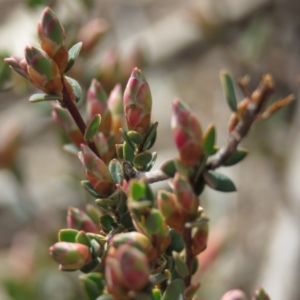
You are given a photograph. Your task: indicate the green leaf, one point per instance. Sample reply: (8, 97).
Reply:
(126, 220)
(158, 278)
(128, 152)
(115, 169)
(236, 157)
(174, 290)
(40, 97)
(91, 266)
(219, 182)
(86, 184)
(71, 149)
(209, 139)
(92, 128)
(106, 222)
(73, 54)
(176, 244)
(82, 238)
(169, 167)
(93, 284)
(152, 162)
(227, 85)
(180, 265)
(156, 293)
(76, 88)
(199, 185)
(150, 137)
(127, 139)
(67, 235)
(119, 151)
(141, 160)
(135, 137)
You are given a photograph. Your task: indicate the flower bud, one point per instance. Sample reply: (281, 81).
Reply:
(115, 105)
(52, 38)
(187, 201)
(18, 65)
(97, 104)
(137, 103)
(199, 238)
(78, 219)
(234, 295)
(134, 239)
(260, 294)
(43, 71)
(97, 172)
(71, 256)
(63, 118)
(126, 267)
(91, 33)
(167, 204)
(187, 134)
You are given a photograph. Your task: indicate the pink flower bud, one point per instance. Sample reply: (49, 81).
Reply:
(127, 268)
(234, 295)
(199, 238)
(43, 71)
(97, 104)
(52, 38)
(96, 172)
(18, 65)
(72, 256)
(137, 102)
(187, 201)
(187, 134)
(78, 219)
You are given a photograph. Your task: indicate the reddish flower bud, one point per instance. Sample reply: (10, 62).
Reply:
(63, 118)
(187, 134)
(52, 38)
(115, 105)
(167, 204)
(71, 256)
(18, 65)
(187, 201)
(199, 238)
(91, 33)
(43, 71)
(126, 268)
(97, 104)
(136, 240)
(234, 295)
(78, 219)
(137, 103)
(96, 172)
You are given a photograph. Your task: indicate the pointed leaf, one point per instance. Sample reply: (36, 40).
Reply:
(73, 54)
(180, 265)
(209, 139)
(92, 128)
(76, 88)
(174, 290)
(152, 162)
(219, 182)
(115, 170)
(199, 185)
(150, 137)
(177, 243)
(40, 97)
(228, 88)
(236, 157)
(67, 235)
(127, 139)
(106, 222)
(86, 184)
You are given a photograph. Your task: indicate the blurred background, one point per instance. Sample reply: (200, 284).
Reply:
(181, 46)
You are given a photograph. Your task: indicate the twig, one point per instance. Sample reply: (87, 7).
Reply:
(189, 257)
(72, 108)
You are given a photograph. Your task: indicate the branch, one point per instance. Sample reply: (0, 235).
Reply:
(72, 108)
(189, 257)
(258, 99)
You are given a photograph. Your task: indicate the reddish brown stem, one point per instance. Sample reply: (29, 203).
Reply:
(72, 108)
(189, 257)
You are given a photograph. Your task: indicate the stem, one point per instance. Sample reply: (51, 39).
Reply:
(72, 108)
(189, 257)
